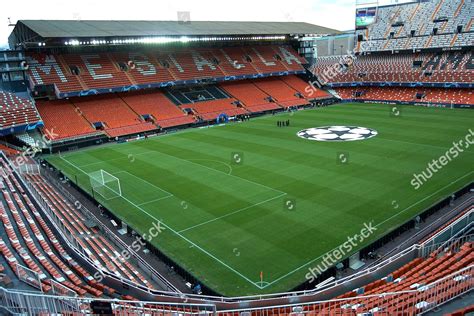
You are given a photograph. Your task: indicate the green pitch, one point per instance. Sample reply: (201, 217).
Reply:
(246, 198)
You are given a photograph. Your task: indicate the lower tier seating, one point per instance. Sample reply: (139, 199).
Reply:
(282, 93)
(63, 119)
(308, 91)
(15, 111)
(107, 109)
(210, 110)
(142, 111)
(101, 251)
(414, 275)
(164, 112)
(251, 97)
(9, 151)
(28, 243)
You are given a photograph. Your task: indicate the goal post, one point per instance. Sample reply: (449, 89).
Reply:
(105, 184)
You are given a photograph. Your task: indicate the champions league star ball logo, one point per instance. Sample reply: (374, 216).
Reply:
(337, 133)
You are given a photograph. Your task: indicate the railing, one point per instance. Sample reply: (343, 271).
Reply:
(113, 237)
(410, 302)
(31, 303)
(74, 245)
(266, 299)
(460, 226)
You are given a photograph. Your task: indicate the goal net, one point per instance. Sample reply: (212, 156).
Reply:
(105, 184)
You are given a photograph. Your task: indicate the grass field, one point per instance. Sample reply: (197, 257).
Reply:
(222, 192)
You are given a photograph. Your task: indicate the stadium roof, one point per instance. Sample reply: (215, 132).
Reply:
(84, 28)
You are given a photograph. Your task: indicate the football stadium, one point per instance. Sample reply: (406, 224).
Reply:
(153, 167)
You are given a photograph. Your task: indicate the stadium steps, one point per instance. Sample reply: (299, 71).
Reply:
(391, 22)
(453, 41)
(252, 98)
(428, 43)
(386, 44)
(40, 260)
(65, 66)
(98, 248)
(435, 12)
(471, 22)
(130, 77)
(413, 275)
(29, 224)
(117, 68)
(458, 10)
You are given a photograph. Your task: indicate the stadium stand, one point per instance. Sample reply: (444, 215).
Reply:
(413, 281)
(142, 67)
(210, 110)
(418, 25)
(419, 95)
(164, 112)
(64, 119)
(45, 69)
(424, 67)
(301, 86)
(112, 114)
(79, 72)
(99, 249)
(8, 150)
(15, 111)
(27, 244)
(254, 99)
(283, 94)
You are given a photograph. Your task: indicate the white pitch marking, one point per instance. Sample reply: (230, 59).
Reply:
(231, 213)
(178, 234)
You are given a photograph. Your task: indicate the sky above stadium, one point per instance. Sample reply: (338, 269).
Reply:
(337, 14)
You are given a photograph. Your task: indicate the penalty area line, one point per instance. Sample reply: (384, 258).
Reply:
(231, 213)
(178, 234)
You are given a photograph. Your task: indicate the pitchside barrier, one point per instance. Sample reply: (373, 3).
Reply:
(410, 302)
(319, 294)
(135, 258)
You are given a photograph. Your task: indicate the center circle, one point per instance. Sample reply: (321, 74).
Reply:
(337, 133)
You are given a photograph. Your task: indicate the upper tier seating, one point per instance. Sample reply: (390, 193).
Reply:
(155, 103)
(49, 69)
(412, 25)
(430, 95)
(444, 67)
(15, 111)
(76, 72)
(97, 71)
